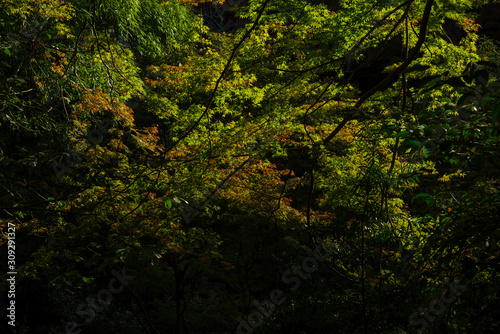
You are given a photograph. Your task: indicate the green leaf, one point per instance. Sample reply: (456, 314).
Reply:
(402, 133)
(413, 143)
(416, 68)
(420, 195)
(428, 80)
(495, 113)
(486, 99)
(168, 204)
(426, 152)
(86, 279)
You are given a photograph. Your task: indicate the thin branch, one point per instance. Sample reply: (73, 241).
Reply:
(221, 77)
(386, 82)
(75, 52)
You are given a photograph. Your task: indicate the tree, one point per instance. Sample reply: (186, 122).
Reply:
(214, 163)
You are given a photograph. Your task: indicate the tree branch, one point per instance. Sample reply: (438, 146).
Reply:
(389, 79)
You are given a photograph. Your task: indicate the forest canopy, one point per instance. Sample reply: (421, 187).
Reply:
(250, 166)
